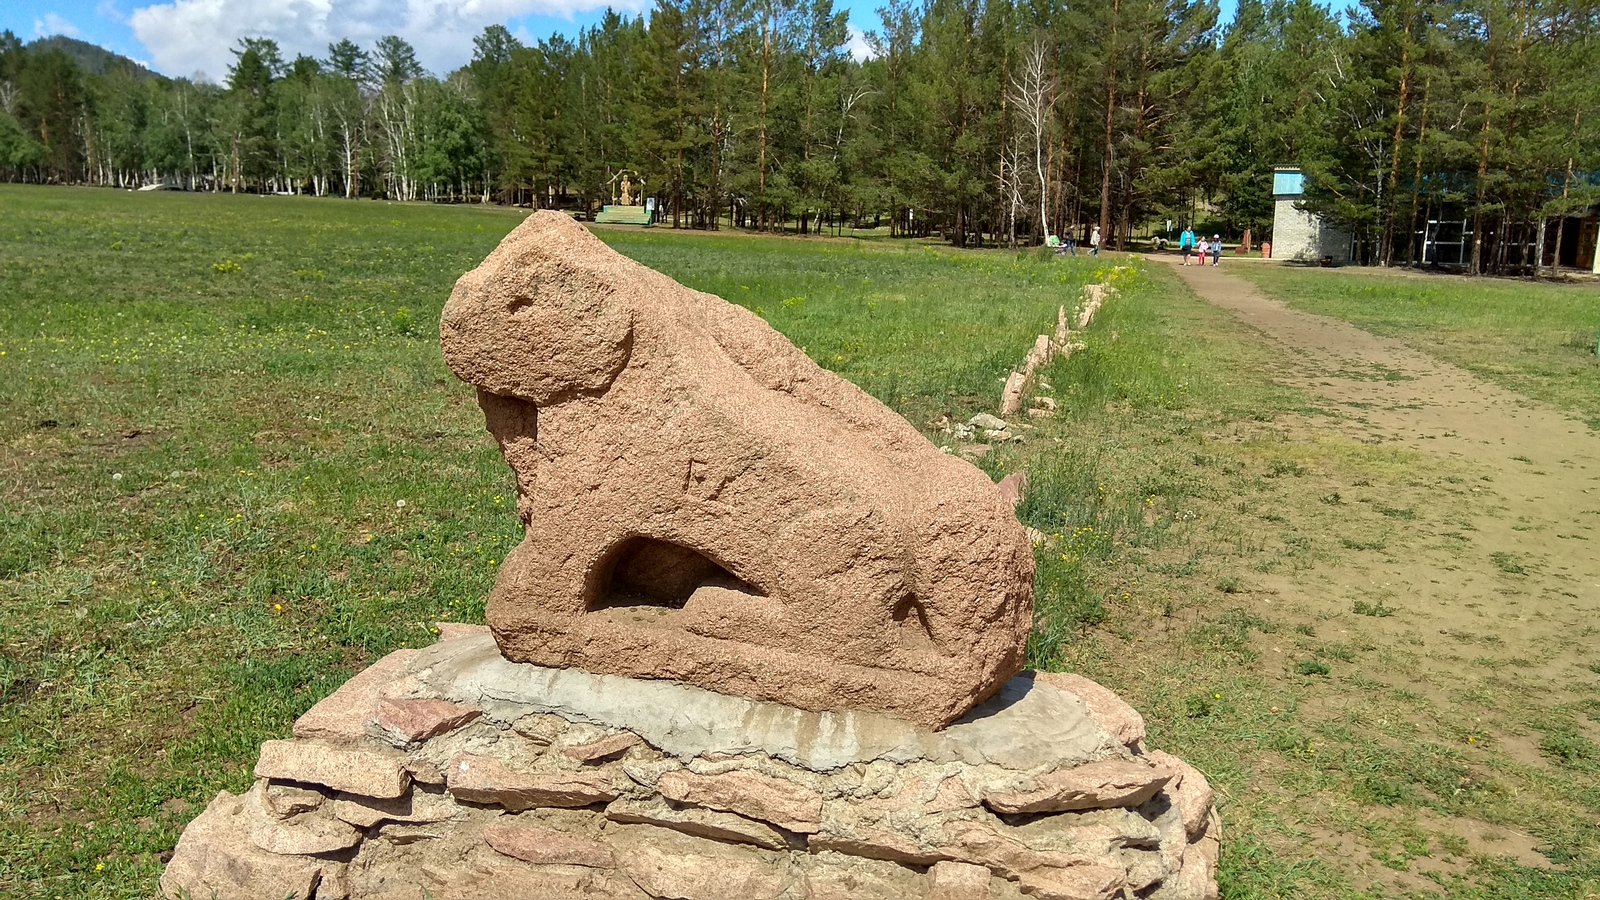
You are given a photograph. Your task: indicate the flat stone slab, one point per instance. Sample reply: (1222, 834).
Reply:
(405, 721)
(754, 796)
(1028, 725)
(482, 779)
(343, 715)
(545, 847)
(217, 858)
(1107, 783)
(604, 748)
(708, 823)
(365, 772)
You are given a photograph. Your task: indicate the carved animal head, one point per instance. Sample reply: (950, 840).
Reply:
(519, 306)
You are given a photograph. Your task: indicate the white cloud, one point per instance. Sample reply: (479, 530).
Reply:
(54, 24)
(857, 45)
(198, 35)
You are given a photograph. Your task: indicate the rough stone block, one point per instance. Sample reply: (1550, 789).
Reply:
(949, 796)
(424, 772)
(215, 858)
(982, 845)
(782, 803)
(1198, 877)
(541, 729)
(707, 823)
(876, 843)
(416, 808)
(1190, 791)
(829, 876)
(285, 800)
(1100, 833)
(306, 835)
(1011, 394)
(604, 748)
(342, 716)
(403, 722)
(868, 808)
(1108, 783)
(1026, 725)
(950, 880)
(1074, 883)
(452, 873)
(1038, 355)
(482, 779)
(540, 845)
(1105, 707)
(365, 772)
(1145, 870)
(335, 883)
(690, 869)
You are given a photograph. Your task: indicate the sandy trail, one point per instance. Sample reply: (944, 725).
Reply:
(1535, 502)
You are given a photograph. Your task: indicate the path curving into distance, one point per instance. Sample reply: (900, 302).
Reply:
(1535, 498)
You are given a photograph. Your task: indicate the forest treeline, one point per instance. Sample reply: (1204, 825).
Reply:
(982, 121)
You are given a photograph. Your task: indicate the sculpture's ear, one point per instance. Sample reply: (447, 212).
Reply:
(529, 325)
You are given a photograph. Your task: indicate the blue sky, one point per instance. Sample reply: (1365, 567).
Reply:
(189, 37)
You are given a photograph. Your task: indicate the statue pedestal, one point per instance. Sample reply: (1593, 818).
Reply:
(449, 772)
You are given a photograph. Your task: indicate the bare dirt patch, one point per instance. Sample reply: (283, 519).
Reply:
(1480, 595)
(1511, 582)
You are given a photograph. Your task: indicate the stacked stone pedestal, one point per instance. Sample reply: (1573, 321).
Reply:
(450, 772)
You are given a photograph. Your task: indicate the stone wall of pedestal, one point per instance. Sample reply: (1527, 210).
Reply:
(450, 772)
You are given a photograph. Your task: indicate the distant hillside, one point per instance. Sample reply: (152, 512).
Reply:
(92, 58)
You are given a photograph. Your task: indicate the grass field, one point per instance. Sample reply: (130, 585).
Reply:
(235, 470)
(1536, 339)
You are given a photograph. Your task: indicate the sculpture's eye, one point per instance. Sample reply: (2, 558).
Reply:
(519, 304)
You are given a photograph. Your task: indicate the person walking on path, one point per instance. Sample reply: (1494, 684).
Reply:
(1186, 242)
(1216, 250)
(1094, 241)
(1201, 248)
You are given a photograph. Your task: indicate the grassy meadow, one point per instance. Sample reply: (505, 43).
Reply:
(234, 470)
(1538, 339)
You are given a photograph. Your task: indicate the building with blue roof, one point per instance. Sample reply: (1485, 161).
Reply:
(1298, 234)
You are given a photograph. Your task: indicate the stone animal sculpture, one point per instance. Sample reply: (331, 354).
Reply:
(704, 503)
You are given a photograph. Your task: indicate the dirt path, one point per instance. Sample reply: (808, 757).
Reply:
(1514, 575)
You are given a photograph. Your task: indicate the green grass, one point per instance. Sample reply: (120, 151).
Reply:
(1507, 563)
(200, 522)
(1376, 610)
(867, 311)
(1311, 667)
(235, 469)
(212, 408)
(1536, 339)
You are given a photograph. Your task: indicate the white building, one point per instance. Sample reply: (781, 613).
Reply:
(1297, 234)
